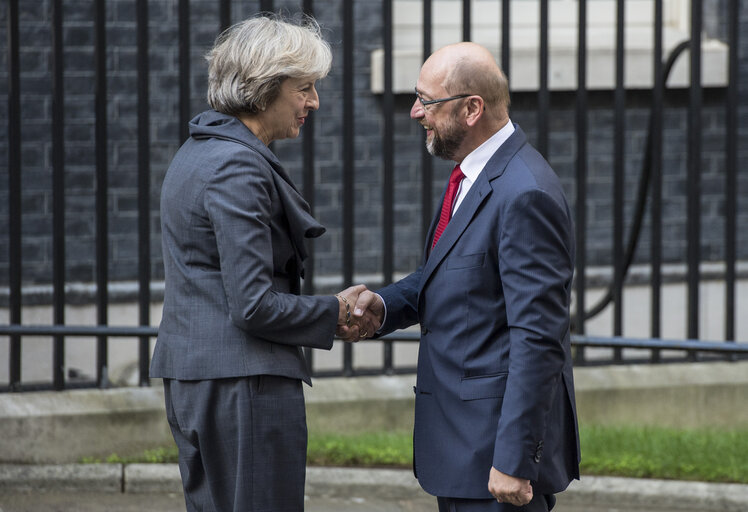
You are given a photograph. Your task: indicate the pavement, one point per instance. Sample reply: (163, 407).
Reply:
(157, 487)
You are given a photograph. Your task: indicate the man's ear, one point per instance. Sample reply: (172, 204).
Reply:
(475, 109)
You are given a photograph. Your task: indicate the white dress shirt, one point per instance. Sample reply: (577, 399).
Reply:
(473, 164)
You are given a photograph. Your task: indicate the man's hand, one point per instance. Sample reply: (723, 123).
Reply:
(509, 489)
(361, 313)
(369, 311)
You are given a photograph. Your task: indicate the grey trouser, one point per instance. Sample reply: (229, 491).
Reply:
(242, 443)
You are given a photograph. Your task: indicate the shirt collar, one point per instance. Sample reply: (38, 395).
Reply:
(473, 164)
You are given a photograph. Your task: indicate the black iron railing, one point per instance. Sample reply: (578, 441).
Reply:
(60, 333)
(680, 350)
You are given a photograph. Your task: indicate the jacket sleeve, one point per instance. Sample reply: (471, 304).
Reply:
(401, 301)
(536, 266)
(238, 202)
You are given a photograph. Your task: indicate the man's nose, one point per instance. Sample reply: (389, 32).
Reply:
(417, 111)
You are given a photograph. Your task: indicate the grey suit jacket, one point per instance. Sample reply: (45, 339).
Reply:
(233, 229)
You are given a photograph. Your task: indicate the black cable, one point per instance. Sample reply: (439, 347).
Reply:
(641, 200)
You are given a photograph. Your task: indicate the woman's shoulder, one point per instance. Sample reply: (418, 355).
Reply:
(224, 152)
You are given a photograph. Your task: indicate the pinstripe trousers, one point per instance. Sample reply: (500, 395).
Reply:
(241, 441)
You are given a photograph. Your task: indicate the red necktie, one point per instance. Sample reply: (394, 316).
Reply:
(449, 198)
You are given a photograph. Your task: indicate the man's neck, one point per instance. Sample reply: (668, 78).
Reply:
(479, 135)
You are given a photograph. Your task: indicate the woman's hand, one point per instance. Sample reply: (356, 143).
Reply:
(360, 315)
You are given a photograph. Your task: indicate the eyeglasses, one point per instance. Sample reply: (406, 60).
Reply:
(426, 103)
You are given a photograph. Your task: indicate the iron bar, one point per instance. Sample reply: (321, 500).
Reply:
(466, 20)
(308, 189)
(427, 163)
(144, 189)
(224, 14)
(661, 344)
(505, 44)
(619, 170)
(82, 331)
(544, 98)
(388, 164)
(102, 189)
(731, 150)
(694, 172)
(14, 194)
(113, 331)
(581, 175)
(184, 70)
(58, 194)
(656, 165)
(388, 151)
(348, 164)
(309, 177)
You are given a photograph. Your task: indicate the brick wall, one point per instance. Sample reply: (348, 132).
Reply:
(164, 127)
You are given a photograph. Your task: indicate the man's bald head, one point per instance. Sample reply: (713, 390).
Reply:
(469, 68)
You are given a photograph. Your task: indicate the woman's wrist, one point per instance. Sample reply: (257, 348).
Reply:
(344, 311)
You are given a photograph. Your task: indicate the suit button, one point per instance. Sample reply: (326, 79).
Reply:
(424, 331)
(538, 451)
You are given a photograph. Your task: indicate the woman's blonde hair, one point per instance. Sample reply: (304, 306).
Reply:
(250, 59)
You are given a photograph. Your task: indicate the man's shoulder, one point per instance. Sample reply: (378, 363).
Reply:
(526, 171)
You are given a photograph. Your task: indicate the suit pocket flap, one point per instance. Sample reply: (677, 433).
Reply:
(484, 386)
(465, 261)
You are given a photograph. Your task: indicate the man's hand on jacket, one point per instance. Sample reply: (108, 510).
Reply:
(508, 489)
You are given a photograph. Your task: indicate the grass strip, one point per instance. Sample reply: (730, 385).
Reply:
(393, 449)
(162, 455)
(656, 452)
(639, 452)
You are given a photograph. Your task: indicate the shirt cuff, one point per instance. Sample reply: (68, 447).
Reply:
(384, 317)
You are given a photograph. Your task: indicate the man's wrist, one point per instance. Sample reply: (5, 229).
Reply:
(384, 313)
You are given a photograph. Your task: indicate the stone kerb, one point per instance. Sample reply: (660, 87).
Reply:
(63, 427)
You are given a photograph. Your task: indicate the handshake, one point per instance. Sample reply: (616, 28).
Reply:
(360, 314)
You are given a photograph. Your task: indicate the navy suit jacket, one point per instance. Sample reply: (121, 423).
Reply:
(495, 385)
(233, 231)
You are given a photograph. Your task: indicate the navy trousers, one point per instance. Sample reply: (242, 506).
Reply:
(539, 503)
(242, 443)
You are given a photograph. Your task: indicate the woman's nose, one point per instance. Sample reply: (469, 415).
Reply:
(313, 101)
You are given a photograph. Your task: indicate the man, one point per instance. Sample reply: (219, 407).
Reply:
(495, 420)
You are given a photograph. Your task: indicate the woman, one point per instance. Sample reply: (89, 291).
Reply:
(233, 228)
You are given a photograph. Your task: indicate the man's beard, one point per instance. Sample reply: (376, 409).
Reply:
(446, 145)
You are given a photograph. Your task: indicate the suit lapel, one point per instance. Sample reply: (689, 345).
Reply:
(478, 193)
(301, 224)
(432, 229)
